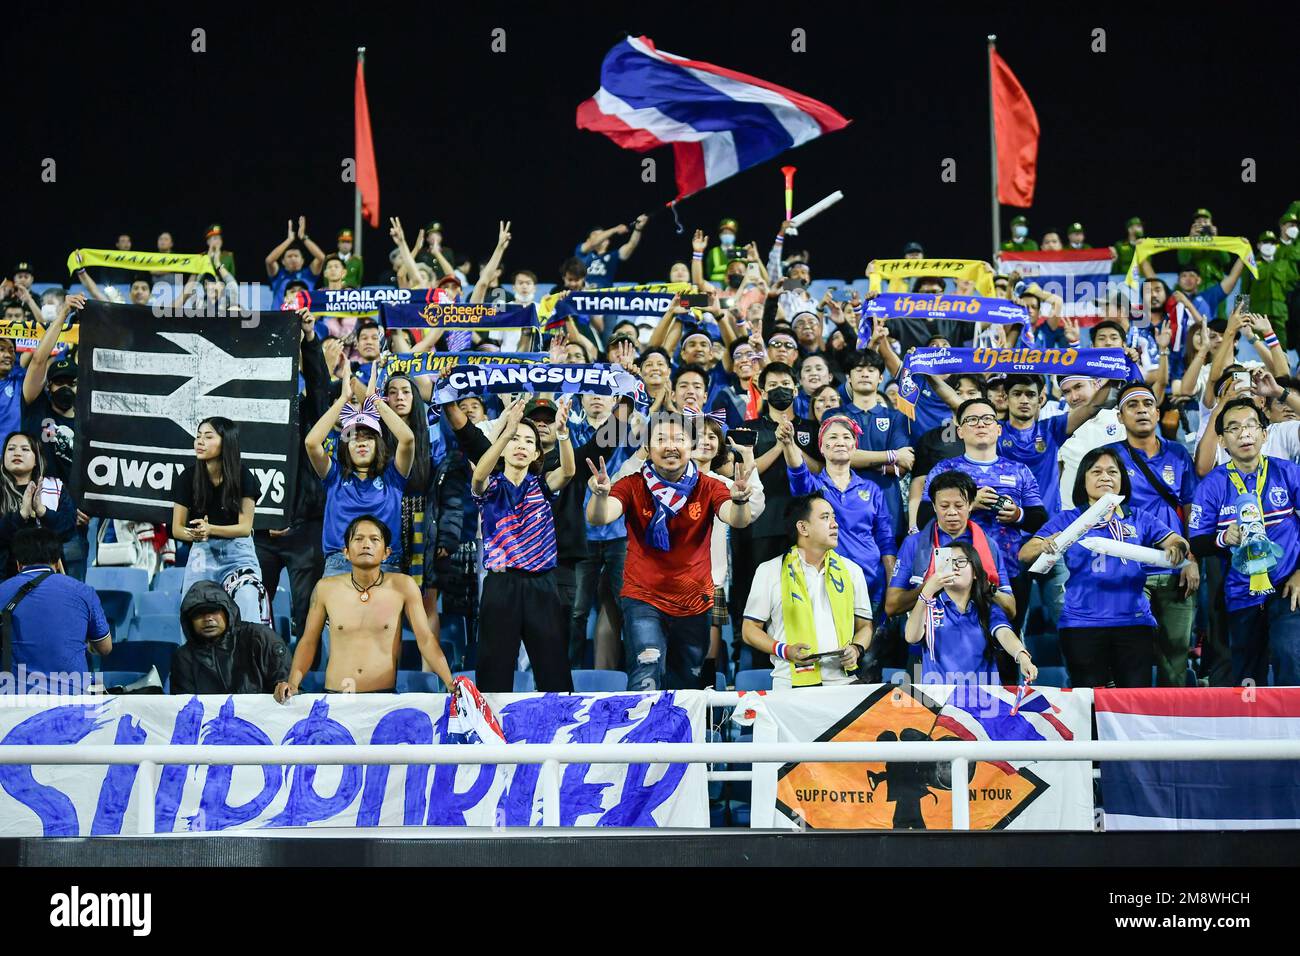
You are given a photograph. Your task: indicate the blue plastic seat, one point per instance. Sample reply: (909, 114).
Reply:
(313, 682)
(524, 682)
(158, 627)
(1053, 677)
(757, 679)
(418, 682)
(471, 676)
(141, 655)
(893, 675)
(158, 603)
(599, 682)
(131, 580)
(282, 603)
(169, 579)
(120, 678)
(119, 610)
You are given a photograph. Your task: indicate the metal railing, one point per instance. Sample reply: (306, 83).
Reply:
(149, 757)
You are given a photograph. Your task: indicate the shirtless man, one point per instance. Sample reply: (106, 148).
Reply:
(364, 610)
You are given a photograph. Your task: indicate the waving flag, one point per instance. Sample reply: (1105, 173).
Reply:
(1015, 130)
(719, 121)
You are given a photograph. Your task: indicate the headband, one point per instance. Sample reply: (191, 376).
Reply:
(844, 420)
(1065, 379)
(1137, 393)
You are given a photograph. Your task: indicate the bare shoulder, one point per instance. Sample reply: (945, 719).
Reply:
(401, 583)
(326, 587)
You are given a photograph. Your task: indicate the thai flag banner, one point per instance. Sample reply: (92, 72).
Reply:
(1200, 794)
(1079, 276)
(719, 121)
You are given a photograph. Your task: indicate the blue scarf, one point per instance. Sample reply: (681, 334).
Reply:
(670, 497)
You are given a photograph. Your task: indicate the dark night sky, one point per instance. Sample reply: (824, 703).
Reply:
(149, 136)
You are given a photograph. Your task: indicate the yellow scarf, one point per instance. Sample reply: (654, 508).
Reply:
(797, 614)
(1260, 582)
(1146, 248)
(198, 263)
(898, 271)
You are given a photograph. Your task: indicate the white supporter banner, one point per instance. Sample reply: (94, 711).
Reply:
(1017, 795)
(98, 800)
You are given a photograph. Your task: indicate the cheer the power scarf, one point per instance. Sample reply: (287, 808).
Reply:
(457, 315)
(963, 308)
(599, 379)
(1097, 363)
(797, 613)
(198, 263)
(1146, 248)
(901, 271)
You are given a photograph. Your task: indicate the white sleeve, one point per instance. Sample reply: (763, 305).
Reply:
(759, 606)
(757, 499)
(1288, 441)
(861, 596)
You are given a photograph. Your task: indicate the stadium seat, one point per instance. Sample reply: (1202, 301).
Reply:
(893, 675)
(158, 627)
(757, 679)
(169, 580)
(141, 655)
(418, 682)
(313, 682)
(158, 603)
(282, 604)
(1053, 677)
(599, 682)
(283, 627)
(131, 580)
(119, 609)
(468, 675)
(525, 682)
(120, 678)
(720, 680)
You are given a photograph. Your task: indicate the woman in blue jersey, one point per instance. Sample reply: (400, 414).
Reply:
(962, 627)
(362, 478)
(1106, 626)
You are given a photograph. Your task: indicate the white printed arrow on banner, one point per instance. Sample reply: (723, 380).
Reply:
(207, 367)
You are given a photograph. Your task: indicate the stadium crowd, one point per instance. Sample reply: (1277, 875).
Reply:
(768, 489)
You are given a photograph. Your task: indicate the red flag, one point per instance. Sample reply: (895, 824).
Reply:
(367, 175)
(1015, 126)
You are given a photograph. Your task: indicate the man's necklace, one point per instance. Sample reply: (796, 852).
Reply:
(365, 592)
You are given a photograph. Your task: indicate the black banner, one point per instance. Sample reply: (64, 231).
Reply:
(147, 380)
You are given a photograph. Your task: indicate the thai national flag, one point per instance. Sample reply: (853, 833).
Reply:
(719, 121)
(1079, 276)
(1199, 794)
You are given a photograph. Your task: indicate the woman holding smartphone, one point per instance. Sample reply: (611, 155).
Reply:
(961, 625)
(213, 510)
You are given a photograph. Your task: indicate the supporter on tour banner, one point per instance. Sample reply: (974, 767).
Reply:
(26, 337)
(598, 379)
(457, 315)
(359, 302)
(420, 364)
(1097, 363)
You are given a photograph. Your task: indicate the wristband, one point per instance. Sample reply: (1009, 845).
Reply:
(890, 457)
(1219, 541)
(1271, 341)
(928, 602)
(780, 239)
(779, 650)
(697, 256)
(1282, 398)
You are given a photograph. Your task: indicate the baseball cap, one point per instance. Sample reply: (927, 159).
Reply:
(1202, 212)
(345, 235)
(213, 230)
(1287, 217)
(1020, 221)
(1075, 227)
(23, 267)
(913, 247)
(450, 277)
(729, 224)
(63, 368)
(1268, 235)
(434, 226)
(539, 404)
(1133, 221)
(623, 335)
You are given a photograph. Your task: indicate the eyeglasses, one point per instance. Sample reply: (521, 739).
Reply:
(979, 420)
(1242, 429)
(959, 564)
(782, 344)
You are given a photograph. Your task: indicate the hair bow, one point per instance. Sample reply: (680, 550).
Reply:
(367, 416)
(719, 416)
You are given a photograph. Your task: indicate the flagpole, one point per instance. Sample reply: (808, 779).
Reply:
(993, 155)
(356, 184)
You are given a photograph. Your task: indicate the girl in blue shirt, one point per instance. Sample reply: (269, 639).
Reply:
(1106, 626)
(363, 480)
(962, 627)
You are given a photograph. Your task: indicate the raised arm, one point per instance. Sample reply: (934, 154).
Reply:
(487, 462)
(699, 243)
(317, 253)
(602, 509)
(406, 256)
(737, 511)
(404, 456)
(1229, 281)
(273, 257)
(40, 362)
(601, 235)
(494, 262)
(315, 440)
(557, 478)
(625, 251)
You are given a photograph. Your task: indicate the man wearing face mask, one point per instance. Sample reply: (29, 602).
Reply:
(1289, 230)
(1019, 241)
(1268, 293)
(722, 254)
(1124, 248)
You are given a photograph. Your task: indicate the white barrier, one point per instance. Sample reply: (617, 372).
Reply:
(552, 756)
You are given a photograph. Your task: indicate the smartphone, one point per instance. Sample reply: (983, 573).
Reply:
(743, 436)
(693, 301)
(828, 655)
(1241, 380)
(751, 270)
(790, 284)
(943, 560)
(1243, 302)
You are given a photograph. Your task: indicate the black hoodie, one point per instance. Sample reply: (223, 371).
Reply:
(247, 659)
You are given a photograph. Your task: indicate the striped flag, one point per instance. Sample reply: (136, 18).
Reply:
(1200, 794)
(1079, 276)
(718, 121)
